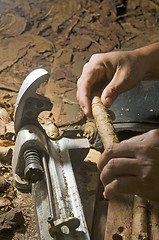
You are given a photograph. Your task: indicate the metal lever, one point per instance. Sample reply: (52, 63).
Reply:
(29, 104)
(47, 166)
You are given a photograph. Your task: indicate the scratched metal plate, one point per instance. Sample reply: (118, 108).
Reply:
(139, 105)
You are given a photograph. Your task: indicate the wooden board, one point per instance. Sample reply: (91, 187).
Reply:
(119, 218)
(154, 220)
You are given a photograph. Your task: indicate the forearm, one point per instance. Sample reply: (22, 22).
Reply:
(150, 55)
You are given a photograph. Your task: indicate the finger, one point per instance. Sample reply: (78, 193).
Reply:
(124, 185)
(84, 85)
(114, 88)
(123, 149)
(93, 74)
(119, 167)
(83, 95)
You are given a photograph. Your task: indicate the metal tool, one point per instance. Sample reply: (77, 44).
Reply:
(45, 164)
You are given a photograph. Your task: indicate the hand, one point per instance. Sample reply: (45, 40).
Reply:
(112, 73)
(132, 167)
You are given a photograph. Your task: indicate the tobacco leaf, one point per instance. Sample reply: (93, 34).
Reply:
(4, 118)
(11, 25)
(66, 11)
(11, 220)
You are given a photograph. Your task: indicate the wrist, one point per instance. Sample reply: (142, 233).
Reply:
(149, 56)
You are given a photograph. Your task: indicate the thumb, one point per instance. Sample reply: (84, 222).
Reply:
(113, 89)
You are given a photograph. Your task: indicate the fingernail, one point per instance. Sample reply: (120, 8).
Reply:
(84, 110)
(104, 195)
(108, 101)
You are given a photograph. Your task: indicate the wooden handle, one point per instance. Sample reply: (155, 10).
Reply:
(103, 122)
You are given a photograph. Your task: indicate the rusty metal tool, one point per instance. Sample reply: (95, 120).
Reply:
(45, 165)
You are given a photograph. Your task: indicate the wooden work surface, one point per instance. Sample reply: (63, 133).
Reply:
(111, 220)
(115, 216)
(119, 218)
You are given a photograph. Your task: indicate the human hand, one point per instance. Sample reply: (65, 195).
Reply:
(111, 73)
(132, 167)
